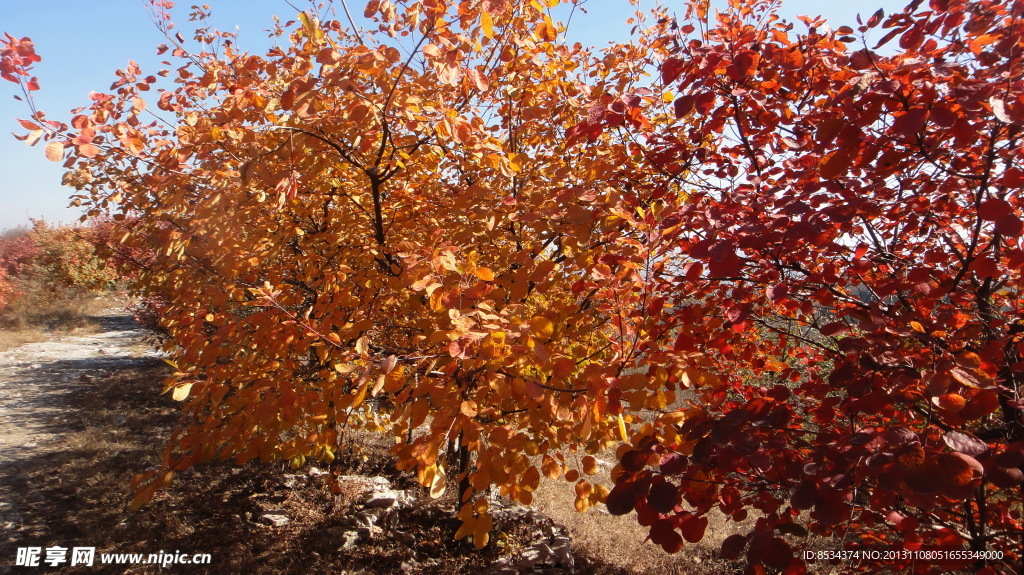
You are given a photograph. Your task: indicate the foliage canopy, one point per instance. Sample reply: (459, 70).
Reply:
(784, 272)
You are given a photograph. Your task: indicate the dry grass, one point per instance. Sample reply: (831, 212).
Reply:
(40, 311)
(619, 541)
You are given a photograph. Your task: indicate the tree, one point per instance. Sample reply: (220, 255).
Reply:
(849, 288)
(785, 274)
(384, 230)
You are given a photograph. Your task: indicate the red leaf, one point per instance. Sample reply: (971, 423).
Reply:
(835, 163)
(671, 69)
(1004, 477)
(633, 461)
(975, 378)
(746, 63)
(965, 443)
(994, 208)
(663, 497)
(958, 470)
(911, 123)
(704, 102)
(876, 18)
(683, 105)
(733, 545)
(621, 499)
(693, 528)
(1012, 178)
(980, 405)
(861, 60)
(777, 553)
(1010, 225)
(778, 292)
(831, 510)
(833, 329)
(912, 38)
(804, 496)
(663, 533)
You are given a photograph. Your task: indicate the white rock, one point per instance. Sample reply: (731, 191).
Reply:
(275, 520)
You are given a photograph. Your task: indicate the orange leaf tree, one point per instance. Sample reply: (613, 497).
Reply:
(385, 230)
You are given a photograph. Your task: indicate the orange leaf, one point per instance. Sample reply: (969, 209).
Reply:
(835, 163)
(550, 467)
(975, 378)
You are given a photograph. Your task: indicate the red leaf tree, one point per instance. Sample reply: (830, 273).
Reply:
(848, 288)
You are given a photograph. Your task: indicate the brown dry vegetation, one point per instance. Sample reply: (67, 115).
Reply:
(620, 541)
(40, 311)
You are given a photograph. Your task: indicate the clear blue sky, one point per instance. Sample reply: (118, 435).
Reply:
(82, 43)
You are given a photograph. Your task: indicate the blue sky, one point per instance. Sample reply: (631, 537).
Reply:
(83, 43)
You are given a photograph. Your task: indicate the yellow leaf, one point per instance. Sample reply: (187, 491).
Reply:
(360, 393)
(622, 429)
(438, 483)
(307, 23)
(482, 530)
(468, 526)
(181, 392)
(542, 327)
(530, 480)
(425, 474)
(362, 345)
(344, 368)
(487, 25)
(546, 32)
(916, 326)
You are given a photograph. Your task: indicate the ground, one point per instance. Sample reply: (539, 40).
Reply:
(80, 415)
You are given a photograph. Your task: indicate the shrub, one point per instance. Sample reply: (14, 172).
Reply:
(68, 257)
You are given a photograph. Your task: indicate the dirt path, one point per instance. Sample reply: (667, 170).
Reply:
(39, 381)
